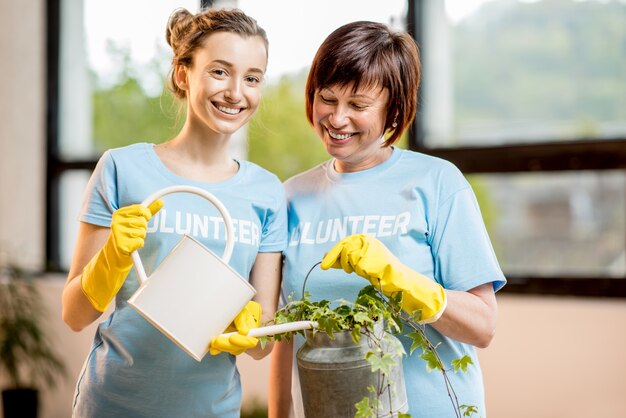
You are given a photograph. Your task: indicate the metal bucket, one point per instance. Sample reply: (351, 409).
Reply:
(334, 376)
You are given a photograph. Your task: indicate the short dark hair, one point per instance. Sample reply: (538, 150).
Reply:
(370, 54)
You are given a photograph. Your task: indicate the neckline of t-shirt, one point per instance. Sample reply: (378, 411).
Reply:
(170, 175)
(334, 175)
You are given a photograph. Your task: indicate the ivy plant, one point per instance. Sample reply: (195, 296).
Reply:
(372, 307)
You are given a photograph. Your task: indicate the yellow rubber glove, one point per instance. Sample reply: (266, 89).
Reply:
(370, 259)
(105, 273)
(248, 318)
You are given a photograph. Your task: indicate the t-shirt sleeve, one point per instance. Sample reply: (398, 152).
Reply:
(100, 197)
(463, 254)
(274, 233)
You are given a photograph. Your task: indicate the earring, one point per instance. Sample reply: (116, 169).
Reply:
(394, 125)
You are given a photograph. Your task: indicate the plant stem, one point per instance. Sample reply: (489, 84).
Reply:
(398, 312)
(451, 393)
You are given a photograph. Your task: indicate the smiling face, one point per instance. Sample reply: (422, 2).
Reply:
(223, 84)
(351, 125)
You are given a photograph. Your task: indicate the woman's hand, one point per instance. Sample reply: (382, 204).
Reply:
(103, 276)
(237, 343)
(423, 298)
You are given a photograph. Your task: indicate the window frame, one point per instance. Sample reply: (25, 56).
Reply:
(582, 155)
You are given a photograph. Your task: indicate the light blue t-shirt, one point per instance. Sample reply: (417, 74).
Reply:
(425, 212)
(133, 370)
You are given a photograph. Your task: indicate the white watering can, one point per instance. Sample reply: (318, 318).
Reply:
(194, 295)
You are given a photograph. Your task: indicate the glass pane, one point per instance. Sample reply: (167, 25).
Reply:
(565, 224)
(296, 29)
(114, 58)
(113, 61)
(505, 71)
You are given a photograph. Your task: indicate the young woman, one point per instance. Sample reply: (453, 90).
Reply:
(403, 220)
(219, 60)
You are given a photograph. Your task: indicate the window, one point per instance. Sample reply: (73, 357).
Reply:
(108, 60)
(527, 98)
(105, 74)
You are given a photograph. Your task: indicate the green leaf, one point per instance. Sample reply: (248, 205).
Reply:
(364, 409)
(397, 323)
(394, 347)
(263, 341)
(418, 341)
(468, 410)
(432, 363)
(328, 325)
(383, 363)
(361, 318)
(416, 315)
(461, 363)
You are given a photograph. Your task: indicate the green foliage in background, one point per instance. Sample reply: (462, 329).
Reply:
(552, 60)
(530, 62)
(488, 209)
(124, 113)
(280, 137)
(28, 358)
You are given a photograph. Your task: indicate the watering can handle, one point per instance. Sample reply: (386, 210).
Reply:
(228, 222)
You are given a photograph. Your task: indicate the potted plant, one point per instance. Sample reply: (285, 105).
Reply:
(371, 321)
(27, 359)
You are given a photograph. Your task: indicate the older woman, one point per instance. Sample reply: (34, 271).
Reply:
(376, 208)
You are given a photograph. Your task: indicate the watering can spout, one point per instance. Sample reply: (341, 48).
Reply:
(279, 329)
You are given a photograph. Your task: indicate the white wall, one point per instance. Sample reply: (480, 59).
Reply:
(551, 358)
(557, 357)
(22, 130)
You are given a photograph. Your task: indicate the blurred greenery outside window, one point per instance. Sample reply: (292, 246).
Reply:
(532, 76)
(495, 73)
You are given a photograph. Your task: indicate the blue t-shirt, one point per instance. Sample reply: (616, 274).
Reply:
(133, 370)
(425, 212)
